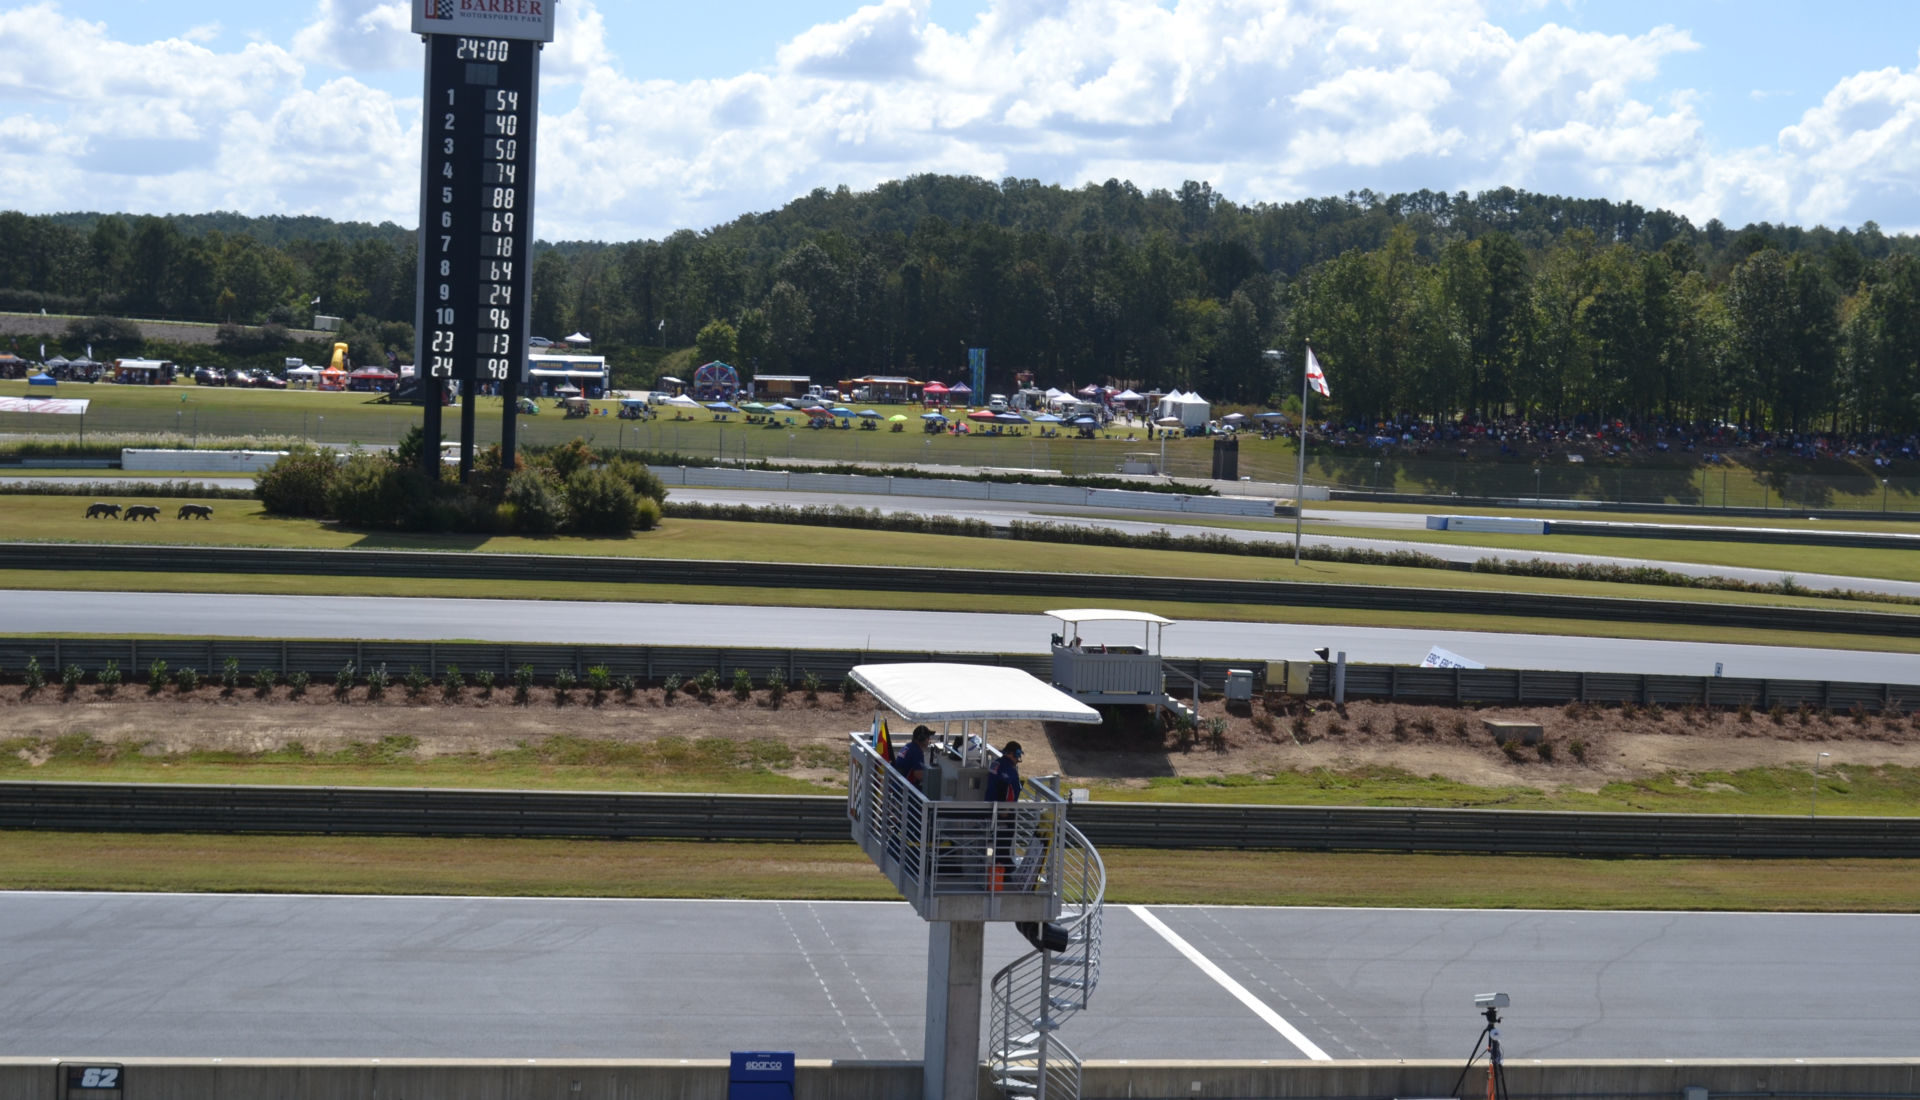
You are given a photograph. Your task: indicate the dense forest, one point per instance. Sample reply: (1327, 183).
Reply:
(1425, 305)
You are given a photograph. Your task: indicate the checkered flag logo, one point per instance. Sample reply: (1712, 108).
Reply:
(439, 9)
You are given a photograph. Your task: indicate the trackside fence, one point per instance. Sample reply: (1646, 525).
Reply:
(377, 811)
(1522, 687)
(651, 664)
(646, 664)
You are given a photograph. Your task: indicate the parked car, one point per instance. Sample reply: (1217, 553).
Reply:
(267, 380)
(238, 377)
(997, 403)
(207, 376)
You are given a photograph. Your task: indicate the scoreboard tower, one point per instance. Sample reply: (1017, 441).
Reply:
(476, 207)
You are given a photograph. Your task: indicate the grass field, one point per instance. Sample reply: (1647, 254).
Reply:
(353, 417)
(242, 523)
(562, 868)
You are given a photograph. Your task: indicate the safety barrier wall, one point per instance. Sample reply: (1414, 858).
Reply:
(650, 664)
(725, 478)
(1775, 536)
(379, 811)
(706, 1079)
(206, 462)
(646, 664)
(481, 566)
(1552, 688)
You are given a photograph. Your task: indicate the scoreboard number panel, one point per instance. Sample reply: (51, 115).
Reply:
(476, 191)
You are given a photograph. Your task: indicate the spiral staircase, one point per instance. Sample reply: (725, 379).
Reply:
(1036, 993)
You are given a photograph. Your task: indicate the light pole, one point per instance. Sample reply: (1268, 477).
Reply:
(1813, 803)
(1536, 484)
(1883, 495)
(1376, 478)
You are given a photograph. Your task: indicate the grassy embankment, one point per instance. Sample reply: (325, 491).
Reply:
(41, 860)
(558, 868)
(241, 523)
(352, 417)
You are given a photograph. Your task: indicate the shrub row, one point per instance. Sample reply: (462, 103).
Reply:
(1647, 574)
(1082, 481)
(108, 490)
(110, 444)
(452, 684)
(563, 489)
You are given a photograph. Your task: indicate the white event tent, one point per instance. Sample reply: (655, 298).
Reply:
(1190, 409)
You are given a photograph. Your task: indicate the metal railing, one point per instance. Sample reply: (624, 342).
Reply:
(954, 860)
(1553, 687)
(382, 811)
(1035, 994)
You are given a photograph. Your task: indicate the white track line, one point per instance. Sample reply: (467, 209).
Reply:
(1260, 1008)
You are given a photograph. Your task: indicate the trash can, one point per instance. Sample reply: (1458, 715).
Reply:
(760, 1075)
(1240, 684)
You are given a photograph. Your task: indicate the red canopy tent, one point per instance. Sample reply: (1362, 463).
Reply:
(933, 393)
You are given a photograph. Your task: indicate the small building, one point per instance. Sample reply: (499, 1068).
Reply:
(548, 371)
(781, 385)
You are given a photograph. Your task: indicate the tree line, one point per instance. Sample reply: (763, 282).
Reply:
(1426, 304)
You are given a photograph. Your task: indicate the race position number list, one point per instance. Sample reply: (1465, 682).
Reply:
(477, 183)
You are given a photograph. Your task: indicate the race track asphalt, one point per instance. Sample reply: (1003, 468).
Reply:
(264, 976)
(110, 614)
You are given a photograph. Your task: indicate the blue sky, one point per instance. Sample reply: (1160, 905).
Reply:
(658, 117)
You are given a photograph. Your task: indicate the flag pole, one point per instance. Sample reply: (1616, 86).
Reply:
(1300, 476)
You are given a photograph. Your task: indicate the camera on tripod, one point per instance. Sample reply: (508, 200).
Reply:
(1488, 1005)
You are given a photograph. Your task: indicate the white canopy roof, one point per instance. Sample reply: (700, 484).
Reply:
(956, 693)
(1100, 614)
(683, 401)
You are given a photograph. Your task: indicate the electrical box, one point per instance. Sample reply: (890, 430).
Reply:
(1289, 676)
(1239, 684)
(948, 780)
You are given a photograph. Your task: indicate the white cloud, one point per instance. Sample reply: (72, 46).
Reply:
(359, 34)
(1268, 99)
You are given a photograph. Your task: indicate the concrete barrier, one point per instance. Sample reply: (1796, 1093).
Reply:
(706, 1079)
(199, 462)
(725, 478)
(1502, 525)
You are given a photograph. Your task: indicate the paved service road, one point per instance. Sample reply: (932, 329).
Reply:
(112, 614)
(265, 976)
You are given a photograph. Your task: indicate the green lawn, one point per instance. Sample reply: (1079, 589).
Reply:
(242, 523)
(587, 868)
(193, 411)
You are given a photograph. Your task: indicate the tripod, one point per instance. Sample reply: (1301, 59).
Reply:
(1496, 1066)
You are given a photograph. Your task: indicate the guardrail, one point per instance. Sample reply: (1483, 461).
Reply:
(646, 663)
(1551, 688)
(651, 664)
(379, 811)
(789, 575)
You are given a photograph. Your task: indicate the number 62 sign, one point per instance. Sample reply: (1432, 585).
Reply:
(95, 1080)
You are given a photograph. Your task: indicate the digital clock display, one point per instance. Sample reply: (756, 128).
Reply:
(477, 179)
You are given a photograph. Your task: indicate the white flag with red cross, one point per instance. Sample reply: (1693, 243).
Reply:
(1316, 377)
